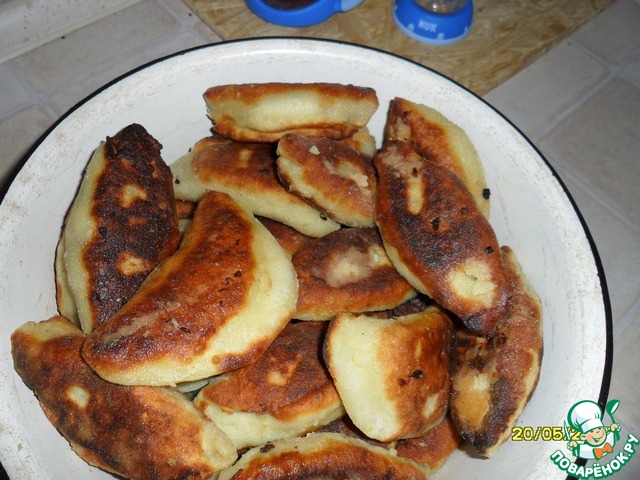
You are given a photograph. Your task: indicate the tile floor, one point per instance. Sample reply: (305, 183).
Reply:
(579, 103)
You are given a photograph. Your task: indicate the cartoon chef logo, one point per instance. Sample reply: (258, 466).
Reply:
(589, 438)
(594, 440)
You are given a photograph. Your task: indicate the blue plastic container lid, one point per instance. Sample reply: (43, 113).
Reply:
(430, 27)
(288, 15)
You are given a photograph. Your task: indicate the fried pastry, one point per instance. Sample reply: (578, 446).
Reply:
(334, 178)
(64, 295)
(287, 392)
(213, 306)
(392, 375)
(493, 377)
(121, 224)
(323, 455)
(347, 271)
(246, 171)
(264, 112)
(432, 448)
(289, 238)
(145, 433)
(362, 141)
(437, 238)
(435, 137)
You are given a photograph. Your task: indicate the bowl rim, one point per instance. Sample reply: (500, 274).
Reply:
(604, 291)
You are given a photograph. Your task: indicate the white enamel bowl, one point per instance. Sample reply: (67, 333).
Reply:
(531, 212)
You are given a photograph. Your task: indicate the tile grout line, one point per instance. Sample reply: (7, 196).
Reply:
(613, 72)
(594, 196)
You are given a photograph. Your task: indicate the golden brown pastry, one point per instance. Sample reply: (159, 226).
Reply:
(289, 238)
(287, 392)
(329, 456)
(362, 141)
(144, 433)
(493, 377)
(246, 171)
(431, 449)
(264, 112)
(434, 447)
(64, 295)
(392, 375)
(121, 224)
(435, 137)
(334, 178)
(437, 238)
(347, 271)
(214, 306)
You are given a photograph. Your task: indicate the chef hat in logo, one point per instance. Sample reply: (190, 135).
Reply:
(585, 416)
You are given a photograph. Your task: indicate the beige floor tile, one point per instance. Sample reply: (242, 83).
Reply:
(74, 93)
(631, 71)
(613, 35)
(538, 94)
(624, 380)
(618, 246)
(599, 145)
(18, 133)
(95, 45)
(14, 95)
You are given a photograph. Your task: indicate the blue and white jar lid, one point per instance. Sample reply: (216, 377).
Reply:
(431, 27)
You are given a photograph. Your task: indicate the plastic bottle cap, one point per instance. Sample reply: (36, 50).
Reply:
(292, 13)
(430, 27)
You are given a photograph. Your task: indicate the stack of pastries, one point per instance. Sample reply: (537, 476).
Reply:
(286, 298)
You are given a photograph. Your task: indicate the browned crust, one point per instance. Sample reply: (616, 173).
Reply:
(188, 298)
(185, 209)
(420, 375)
(427, 138)
(323, 293)
(145, 229)
(250, 94)
(251, 166)
(137, 432)
(438, 235)
(433, 448)
(288, 237)
(287, 381)
(511, 357)
(345, 197)
(335, 459)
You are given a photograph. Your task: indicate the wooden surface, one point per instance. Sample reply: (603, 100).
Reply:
(506, 35)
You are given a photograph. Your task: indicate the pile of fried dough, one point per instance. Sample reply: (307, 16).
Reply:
(285, 300)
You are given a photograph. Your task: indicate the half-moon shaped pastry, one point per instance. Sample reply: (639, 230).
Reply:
(435, 137)
(264, 112)
(328, 456)
(246, 171)
(334, 178)
(213, 306)
(121, 224)
(288, 237)
(493, 377)
(64, 296)
(431, 449)
(347, 271)
(434, 447)
(437, 238)
(287, 392)
(392, 375)
(146, 433)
